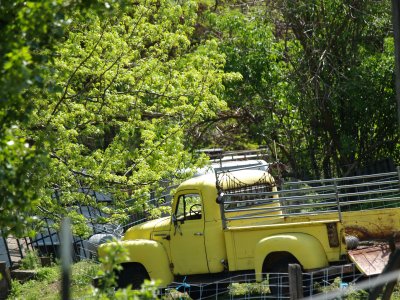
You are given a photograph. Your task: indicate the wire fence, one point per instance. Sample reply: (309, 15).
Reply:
(244, 286)
(336, 282)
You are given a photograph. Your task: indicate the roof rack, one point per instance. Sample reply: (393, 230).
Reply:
(218, 154)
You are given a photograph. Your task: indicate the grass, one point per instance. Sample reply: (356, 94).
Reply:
(47, 284)
(31, 261)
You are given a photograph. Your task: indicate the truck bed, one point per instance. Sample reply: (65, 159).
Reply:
(344, 199)
(366, 207)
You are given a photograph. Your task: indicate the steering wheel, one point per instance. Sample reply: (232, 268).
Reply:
(196, 212)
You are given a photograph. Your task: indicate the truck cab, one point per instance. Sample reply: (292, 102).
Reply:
(191, 238)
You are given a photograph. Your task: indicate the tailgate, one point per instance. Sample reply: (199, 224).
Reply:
(371, 260)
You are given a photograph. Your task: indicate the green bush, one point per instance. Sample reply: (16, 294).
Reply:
(49, 274)
(31, 261)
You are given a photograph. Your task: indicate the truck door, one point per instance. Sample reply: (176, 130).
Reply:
(187, 237)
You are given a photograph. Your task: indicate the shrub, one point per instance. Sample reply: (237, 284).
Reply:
(31, 261)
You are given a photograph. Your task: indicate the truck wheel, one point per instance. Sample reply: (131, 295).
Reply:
(278, 279)
(133, 274)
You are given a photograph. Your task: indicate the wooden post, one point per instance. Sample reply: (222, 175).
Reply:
(45, 261)
(393, 265)
(295, 281)
(5, 281)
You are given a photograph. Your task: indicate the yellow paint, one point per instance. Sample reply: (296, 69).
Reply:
(198, 246)
(304, 247)
(150, 254)
(215, 245)
(144, 230)
(188, 252)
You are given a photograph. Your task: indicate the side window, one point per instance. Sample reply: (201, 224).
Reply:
(180, 208)
(251, 193)
(189, 207)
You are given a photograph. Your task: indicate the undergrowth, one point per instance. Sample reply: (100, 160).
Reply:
(46, 284)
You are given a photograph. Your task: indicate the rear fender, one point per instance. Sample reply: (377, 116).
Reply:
(304, 247)
(150, 254)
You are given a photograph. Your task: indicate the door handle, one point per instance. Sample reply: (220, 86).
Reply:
(198, 233)
(163, 235)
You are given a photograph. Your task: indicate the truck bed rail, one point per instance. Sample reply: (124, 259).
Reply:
(303, 198)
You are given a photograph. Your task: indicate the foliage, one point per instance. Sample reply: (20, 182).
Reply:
(240, 289)
(31, 260)
(83, 272)
(115, 96)
(111, 261)
(148, 291)
(351, 292)
(111, 106)
(344, 108)
(125, 95)
(50, 274)
(45, 285)
(19, 161)
(47, 282)
(308, 92)
(259, 110)
(28, 29)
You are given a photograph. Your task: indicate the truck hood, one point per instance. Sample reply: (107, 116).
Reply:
(144, 230)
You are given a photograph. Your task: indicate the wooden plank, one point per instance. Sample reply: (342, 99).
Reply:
(295, 281)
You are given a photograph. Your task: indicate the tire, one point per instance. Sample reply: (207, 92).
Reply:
(132, 274)
(278, 279)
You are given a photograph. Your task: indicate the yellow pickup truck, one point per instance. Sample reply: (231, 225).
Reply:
(240, 221)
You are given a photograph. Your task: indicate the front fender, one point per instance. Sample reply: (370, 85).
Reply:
(150, 254)
(304, 247)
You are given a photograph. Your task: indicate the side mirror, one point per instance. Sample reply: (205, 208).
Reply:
(220, 198)
(174, 219)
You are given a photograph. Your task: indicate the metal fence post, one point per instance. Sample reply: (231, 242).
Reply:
(338, 200)
(7, 251)
(66, 251)
(398, 175)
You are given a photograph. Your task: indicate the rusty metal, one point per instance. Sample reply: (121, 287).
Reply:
(371, 260)
(374, 232)
(333, 236)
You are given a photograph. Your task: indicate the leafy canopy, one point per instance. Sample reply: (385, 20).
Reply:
(117, 93)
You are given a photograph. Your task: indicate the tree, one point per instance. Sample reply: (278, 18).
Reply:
(317, 83)
(25, 28)
(344, 81)
(116, 102)
(110, 93)
(260, 110)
